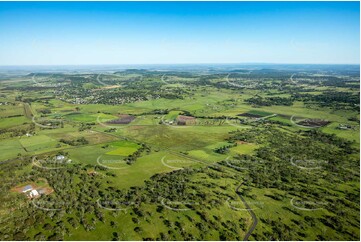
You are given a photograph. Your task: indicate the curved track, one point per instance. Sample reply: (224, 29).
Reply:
(253, 215)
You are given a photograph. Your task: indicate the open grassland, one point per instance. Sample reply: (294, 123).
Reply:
(179, 138)
(86, 117)
(124, 148)
(12, 122)
(37, 143)
(129, 175)
(10, 148)
(11, 110)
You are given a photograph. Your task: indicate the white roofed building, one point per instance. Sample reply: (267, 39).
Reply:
(34, 193)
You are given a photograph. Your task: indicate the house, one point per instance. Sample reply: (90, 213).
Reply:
(60, 157)
(27, 188)
(92, 173)
(344, 126)
(33, 193)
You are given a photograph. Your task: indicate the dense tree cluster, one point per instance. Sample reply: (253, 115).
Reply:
(305, 164)
(332, 99)
(75, 142)
(269, 101)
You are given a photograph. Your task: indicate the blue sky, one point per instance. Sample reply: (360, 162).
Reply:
(75, 33)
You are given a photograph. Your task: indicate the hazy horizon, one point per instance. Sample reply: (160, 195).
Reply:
(160, 64)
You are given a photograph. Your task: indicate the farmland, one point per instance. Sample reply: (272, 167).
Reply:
(144, 154)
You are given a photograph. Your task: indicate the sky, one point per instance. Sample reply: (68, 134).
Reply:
(100, 33)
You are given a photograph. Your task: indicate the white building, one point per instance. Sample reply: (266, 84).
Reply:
(33, 193)
(60, 157)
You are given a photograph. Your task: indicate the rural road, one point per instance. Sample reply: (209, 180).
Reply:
(266, 117)
(253, 215)
(291, 79)
(98, 80)
(302, 126)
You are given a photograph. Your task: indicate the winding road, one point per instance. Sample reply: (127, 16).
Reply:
(253, 215)
(291, 79)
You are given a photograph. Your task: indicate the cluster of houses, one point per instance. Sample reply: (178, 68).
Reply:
(6, 103)
(168, 122)
(344, 126)
(182, 120)
(30, 192)
(62, 159)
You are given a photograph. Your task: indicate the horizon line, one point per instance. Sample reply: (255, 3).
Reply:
(145, 64)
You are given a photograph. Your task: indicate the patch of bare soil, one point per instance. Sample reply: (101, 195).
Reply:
(314, 122)
(123, 119)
